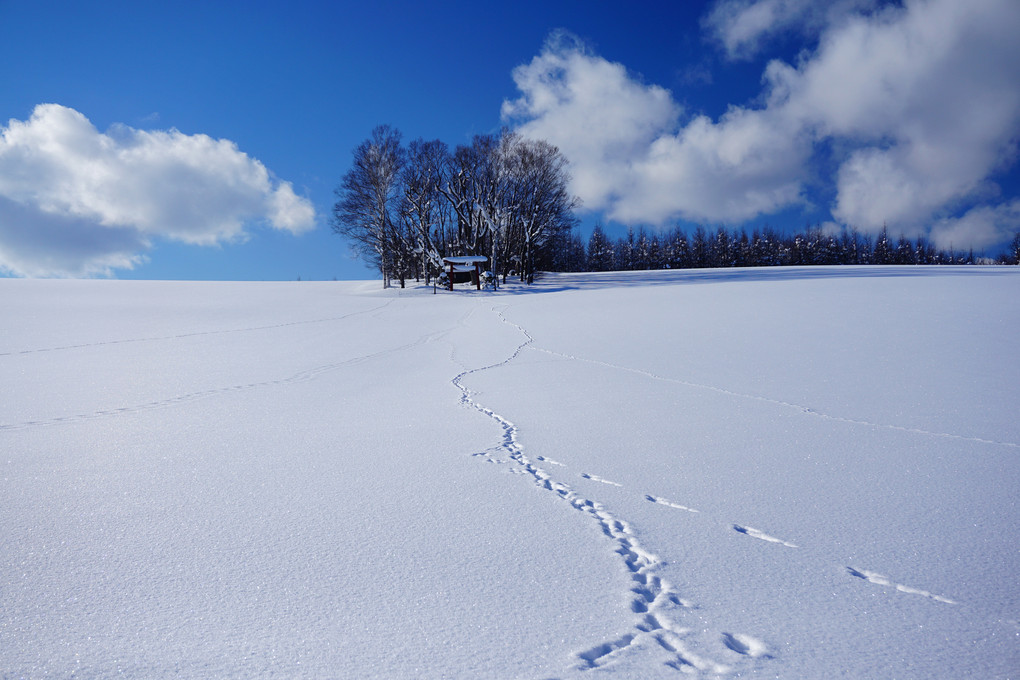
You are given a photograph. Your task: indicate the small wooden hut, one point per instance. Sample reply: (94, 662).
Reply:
(471, 264)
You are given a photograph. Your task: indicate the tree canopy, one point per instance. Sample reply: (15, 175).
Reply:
(503, 196)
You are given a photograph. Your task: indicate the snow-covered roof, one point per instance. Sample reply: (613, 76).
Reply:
(465, 259)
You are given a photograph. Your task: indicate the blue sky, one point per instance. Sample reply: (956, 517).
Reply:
(204, 140)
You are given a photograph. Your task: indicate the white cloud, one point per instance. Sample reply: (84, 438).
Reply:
(744, 27)
(600, 116)
(746, 164)
(916, 107)
(77, 202)
(36, 243)
(926, 96)
(289, 211)
(618, 134)
(978, 228)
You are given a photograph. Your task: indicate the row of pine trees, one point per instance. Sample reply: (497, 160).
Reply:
(679, 249)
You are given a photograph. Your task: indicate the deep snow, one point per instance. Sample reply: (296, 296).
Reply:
(795, 473)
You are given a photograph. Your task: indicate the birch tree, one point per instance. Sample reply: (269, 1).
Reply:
(424, 209)
(503, 196)
(368, 200)
(542, 205)
(471, 174)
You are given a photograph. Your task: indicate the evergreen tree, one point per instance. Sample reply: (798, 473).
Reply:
(921, 251)
(699, 248)
(578, 258)
(655, 257)
(641, 247)
(867, 250)
(722, 254)
(677, 254)
(800, 253)
(882, 253)
(564, 253)
(600, 251)
(849, 246)
(625, 252)
(768, 249)
(904, 252)
(742, 255)
(827, 251)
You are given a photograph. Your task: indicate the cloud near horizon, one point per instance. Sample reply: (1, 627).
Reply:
(915, 106)
(77, 202)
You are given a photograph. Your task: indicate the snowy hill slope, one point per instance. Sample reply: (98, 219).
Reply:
(798, 473)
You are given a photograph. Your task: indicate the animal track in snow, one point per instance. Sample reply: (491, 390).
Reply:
(746, 645)
(300, 377)
(181, 336)
(879, 579)
(593, 656)
(761, 535)
(779, 402)
(652, 598)
(550, 461)
(596, 478)
(669, 504)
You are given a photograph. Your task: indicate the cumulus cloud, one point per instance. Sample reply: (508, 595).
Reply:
(744, 27)
(77, 202)
(978, 228)
(745, 164)
(626, 159)
(915, 106)
(599, 115)
(927, 98)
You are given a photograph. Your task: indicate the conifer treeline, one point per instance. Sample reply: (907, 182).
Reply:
(678, 249)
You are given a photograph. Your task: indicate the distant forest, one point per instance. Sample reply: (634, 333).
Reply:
(678, 249)
(506, 197)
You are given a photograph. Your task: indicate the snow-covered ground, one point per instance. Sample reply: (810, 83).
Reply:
(794, 473)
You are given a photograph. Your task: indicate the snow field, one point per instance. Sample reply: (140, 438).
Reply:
(793, 473)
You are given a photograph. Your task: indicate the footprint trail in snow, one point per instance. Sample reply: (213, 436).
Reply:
(653, 599)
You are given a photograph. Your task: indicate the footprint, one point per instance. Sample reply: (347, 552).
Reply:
(595, 655)
(761, 535)
(550, 461)
(685, 661)
(879, 579)
(596, 478)
(670, 504)
(651, 622)
(746, 645)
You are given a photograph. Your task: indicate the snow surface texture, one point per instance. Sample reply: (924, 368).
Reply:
(797, 473)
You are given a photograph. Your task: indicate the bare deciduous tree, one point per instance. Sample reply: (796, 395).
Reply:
(367, 200)
(423, 208)
(504, 196)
